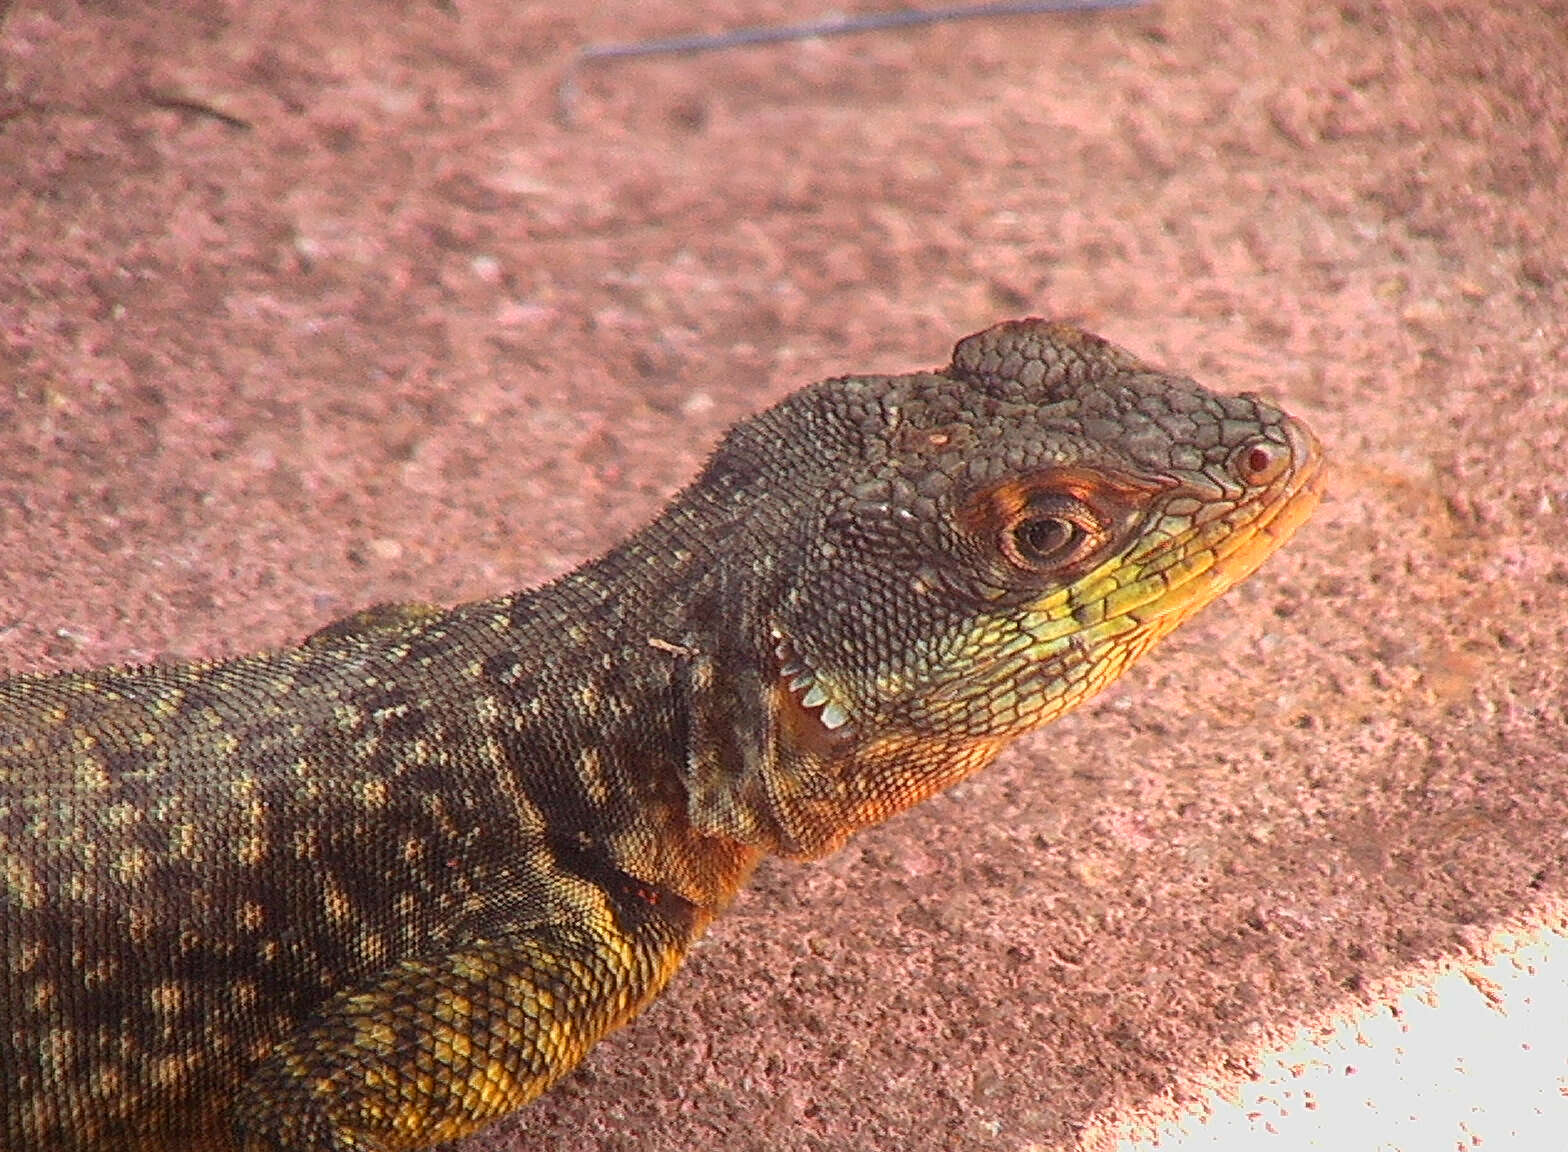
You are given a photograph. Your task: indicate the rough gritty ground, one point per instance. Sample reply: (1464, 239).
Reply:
(307, 306)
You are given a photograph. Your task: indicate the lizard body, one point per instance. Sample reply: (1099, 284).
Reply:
(379, 889)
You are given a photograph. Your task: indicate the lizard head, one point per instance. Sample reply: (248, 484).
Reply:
(974, 551)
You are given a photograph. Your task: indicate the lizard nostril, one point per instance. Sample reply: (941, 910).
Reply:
(1260, 462)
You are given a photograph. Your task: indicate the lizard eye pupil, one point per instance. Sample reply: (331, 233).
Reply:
(1046, 529)
(1047, 539)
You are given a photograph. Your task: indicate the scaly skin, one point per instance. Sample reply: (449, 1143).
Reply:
(377, 890)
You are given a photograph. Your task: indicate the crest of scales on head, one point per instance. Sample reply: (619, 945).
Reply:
(987, 547)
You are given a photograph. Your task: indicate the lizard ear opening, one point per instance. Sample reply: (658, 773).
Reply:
(761, 754)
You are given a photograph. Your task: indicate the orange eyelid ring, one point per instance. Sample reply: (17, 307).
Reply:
(1259, 461)
(1095, 502)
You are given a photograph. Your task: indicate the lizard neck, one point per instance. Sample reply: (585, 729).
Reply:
(605, 671)
(760, 762)
(663, 663)
(749, 766)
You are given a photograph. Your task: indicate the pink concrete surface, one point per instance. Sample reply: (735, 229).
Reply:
(386, 330)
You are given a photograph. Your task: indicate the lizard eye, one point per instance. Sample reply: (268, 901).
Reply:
(1047, 525)
(1057, 534)
(1041, 539)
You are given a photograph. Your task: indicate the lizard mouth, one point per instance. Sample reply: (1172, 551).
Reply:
(1185, 570)
(1181, 562)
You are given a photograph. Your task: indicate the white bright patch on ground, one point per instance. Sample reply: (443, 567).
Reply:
(1473, 1057)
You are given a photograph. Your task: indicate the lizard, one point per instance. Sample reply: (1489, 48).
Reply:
(381, 888)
